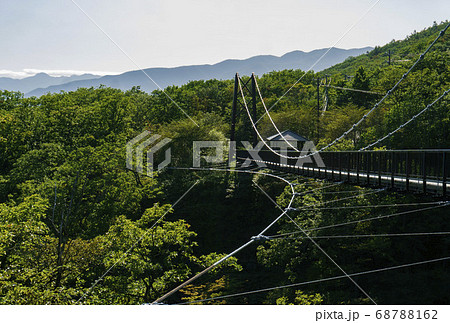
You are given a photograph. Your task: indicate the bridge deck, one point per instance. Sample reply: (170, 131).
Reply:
(398, 182)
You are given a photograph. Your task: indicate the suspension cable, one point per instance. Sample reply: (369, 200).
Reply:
(331, 259)
(319, 280)
(370, 206)
(321, 57)
(406, 234)
(353, 90)
(254, 238)
(364, 117)
(319, 247)
(134, 244)
(319, 188)
(260, 236)
(407, 122)
(271, 120)
(442, 204)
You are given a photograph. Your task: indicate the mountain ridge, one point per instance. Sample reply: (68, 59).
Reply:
(31, 83)
(167, 76)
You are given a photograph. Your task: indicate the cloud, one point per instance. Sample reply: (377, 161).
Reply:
(13, 74)
(27, 72)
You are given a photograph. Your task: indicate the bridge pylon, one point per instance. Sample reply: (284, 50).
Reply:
(248, 90)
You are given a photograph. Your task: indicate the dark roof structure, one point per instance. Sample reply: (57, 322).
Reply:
(288, 135)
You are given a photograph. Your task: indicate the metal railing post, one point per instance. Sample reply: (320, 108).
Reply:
(379, 169)
(392, 169)
(357, 167)
(332, 167)
(348, 166)
(318, 172)
(424, 171)
(444, 175)
(407, 170)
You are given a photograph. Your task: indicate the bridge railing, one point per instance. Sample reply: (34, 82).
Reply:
(410, 170)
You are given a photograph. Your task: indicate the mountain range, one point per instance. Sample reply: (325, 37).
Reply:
(40, 80)
(42, 83)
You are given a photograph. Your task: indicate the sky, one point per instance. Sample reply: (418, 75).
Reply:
(65, 37)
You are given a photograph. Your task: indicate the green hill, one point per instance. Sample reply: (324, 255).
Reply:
(402, 51)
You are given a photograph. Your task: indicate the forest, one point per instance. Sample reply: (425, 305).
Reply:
(78, 227)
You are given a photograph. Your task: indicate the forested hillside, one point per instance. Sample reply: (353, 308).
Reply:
(76, 226)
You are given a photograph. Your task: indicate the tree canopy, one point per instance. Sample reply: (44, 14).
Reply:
(77, 226)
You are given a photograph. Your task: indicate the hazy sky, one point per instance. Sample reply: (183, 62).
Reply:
(55, 35)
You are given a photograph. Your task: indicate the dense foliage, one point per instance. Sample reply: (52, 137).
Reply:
(71, 213)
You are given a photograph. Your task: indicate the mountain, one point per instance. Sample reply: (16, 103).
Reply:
(38, 81)
(223, 70)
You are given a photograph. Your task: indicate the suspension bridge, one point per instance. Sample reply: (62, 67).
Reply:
(423, 171)
(417, 171)
(403, 170)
